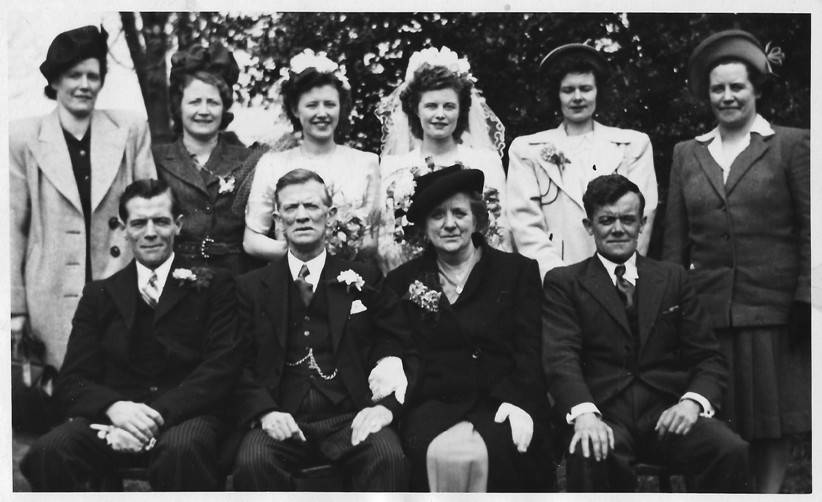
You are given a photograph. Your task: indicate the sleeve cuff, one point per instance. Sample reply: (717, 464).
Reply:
(707, 409)
(580, 409)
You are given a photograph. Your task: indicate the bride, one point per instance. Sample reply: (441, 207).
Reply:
(436, 118)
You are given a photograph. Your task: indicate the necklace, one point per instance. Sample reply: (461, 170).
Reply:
(461, 271)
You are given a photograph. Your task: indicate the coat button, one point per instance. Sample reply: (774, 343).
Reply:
(726, 236)
(153, 388)
(476, 354)
(113, 222)
(208, 209)
(115, 251)
(306, 333)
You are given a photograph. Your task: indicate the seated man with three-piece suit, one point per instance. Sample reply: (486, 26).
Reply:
(632, 360)
(314, 326)
(152, 354)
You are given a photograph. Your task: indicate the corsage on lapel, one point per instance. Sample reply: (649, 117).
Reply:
(227, 183)
(351, 279)
(197, 277)
(550, 153)
(424, 297)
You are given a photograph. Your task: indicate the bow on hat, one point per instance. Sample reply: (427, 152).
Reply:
(216, 60)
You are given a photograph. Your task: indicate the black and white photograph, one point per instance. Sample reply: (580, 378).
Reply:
(531, 249)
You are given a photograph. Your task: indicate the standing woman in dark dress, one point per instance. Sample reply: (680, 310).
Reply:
(203, 166)
(738, 219)
(67, 170)
(475, 417)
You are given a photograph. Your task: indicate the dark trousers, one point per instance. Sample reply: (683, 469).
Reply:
(184, 457)
(376, 464)
(714, 456)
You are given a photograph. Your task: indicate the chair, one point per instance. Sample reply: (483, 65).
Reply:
(663, 475)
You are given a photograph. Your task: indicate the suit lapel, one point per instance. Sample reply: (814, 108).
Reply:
(173, 291)
(546, 140)
(650, 286)
(274, 298)
(601, 287)
(108, 146)
(605, 154)
(182, 167)
(745, 160)
(712, 170)
(123, 291)
(339, 300)
(52, 156)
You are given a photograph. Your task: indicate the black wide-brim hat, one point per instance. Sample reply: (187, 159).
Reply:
(581, 51)
(216, 60)
(433, 188)
(73, 46)
(726, 44)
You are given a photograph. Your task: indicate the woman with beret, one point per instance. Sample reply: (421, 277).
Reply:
(205, 167)
(549, 171)
(67, 171)
(474, 418)
(316, 97)
(738, 219)
(436, 118)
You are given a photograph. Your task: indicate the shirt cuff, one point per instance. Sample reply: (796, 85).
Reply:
(580, 409)
(707, 409)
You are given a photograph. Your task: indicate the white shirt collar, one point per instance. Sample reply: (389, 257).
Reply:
(144, 273)
(315, 267)
(631, 274)
(760, 126)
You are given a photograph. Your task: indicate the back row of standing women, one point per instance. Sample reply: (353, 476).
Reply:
(738, 206)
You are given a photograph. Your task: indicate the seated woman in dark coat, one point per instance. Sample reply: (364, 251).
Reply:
(204, 166)
(475, 414)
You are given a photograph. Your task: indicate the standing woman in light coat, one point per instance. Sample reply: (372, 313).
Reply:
(738, 219)
(67, 171)
(549, 171)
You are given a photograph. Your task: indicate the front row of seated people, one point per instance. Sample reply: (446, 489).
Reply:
(432, 379)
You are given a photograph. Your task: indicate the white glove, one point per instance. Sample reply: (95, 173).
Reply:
(522, 426)
(121, 440)
(387, 377)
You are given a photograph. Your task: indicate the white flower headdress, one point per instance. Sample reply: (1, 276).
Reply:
(319, 61)
(444, 57)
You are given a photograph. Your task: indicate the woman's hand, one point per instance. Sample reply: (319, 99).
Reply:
(522, 426)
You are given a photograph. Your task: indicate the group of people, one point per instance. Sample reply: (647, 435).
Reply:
(420, 319)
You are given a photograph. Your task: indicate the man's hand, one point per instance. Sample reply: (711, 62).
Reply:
(17, 327)
(522, 425)
(138, 419)
(369, 421)
(678, 419)
(589, 427)
(119, 440)
(281, 426)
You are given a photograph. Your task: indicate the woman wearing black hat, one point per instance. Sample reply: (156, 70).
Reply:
(474, 418)
(204, 167)
(549, 171)
(67, 171)
(738, 218)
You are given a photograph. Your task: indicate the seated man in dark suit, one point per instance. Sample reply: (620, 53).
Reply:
(632, 360)
(152, 354)
(314, 326)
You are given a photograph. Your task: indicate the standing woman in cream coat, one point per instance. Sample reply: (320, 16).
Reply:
(67, 171)
(549, 171)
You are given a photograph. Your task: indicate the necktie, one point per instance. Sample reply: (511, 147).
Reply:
(624, 288)
(150, 292)
(305, 289)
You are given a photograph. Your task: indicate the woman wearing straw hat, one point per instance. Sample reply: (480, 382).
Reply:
(738, 218)
(549, 171)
